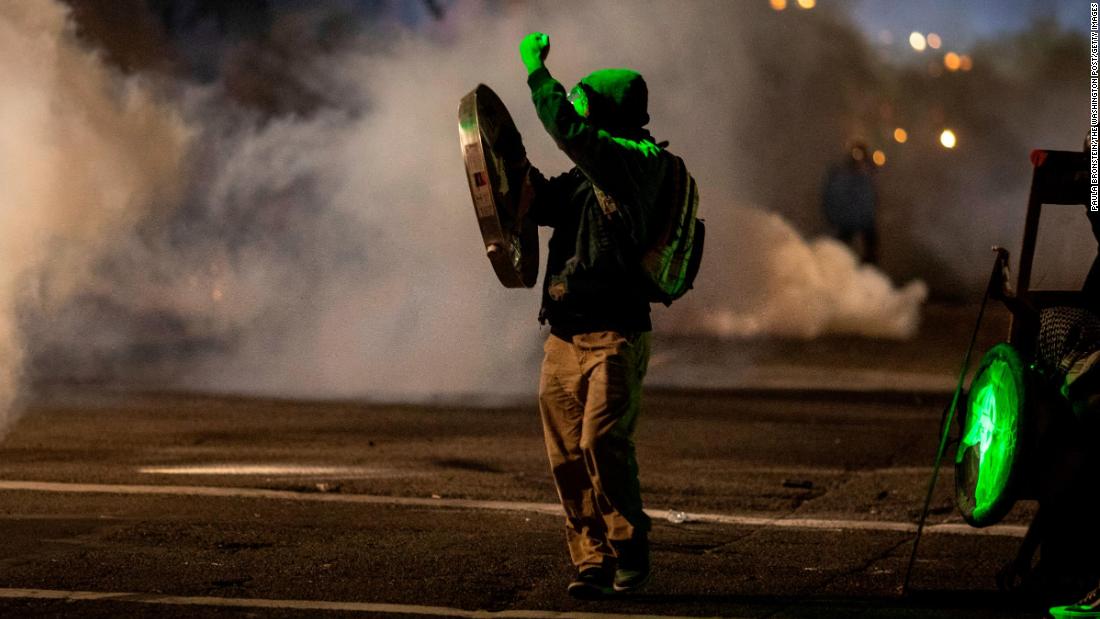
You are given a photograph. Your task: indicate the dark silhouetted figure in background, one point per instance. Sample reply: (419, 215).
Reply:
(850, 198)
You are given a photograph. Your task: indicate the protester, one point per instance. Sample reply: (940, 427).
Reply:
(850, 199)
(598, 309)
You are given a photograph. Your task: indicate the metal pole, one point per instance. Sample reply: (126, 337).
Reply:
(945, 430)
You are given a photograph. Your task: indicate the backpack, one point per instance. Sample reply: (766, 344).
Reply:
(671, 261)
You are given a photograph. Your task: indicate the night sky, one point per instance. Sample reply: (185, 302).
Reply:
(961, 23)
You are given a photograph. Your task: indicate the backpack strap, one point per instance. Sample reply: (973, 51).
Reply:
(608, 205)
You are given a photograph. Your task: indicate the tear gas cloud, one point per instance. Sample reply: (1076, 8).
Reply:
(160, 229)
(85, 158)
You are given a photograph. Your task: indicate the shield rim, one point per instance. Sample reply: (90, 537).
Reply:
(513, 253)
(1006, 499)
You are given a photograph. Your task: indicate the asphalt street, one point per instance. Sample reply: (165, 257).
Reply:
(116, 503)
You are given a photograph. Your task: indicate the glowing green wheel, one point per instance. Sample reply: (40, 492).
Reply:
(992, 437)
(1069, 612)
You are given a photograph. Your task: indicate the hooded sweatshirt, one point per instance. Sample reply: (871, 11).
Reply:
(593, 281)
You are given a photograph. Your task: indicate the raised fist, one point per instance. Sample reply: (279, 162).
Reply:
(533, 50)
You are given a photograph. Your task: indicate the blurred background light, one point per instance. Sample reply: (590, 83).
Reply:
(951, 61)
(916, 40)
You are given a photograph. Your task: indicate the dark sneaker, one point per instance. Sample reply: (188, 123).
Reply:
(633, 572)
(591, 583)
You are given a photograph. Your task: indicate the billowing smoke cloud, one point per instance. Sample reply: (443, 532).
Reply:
(421, 314)
(775, 283)
(327, 247)
(85, 158)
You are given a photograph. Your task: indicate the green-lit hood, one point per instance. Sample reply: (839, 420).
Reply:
(617, 100)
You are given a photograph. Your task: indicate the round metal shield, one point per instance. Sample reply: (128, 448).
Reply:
(992, 437)
(497, 170)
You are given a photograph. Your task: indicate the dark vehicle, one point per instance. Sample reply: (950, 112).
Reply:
(1028, 425)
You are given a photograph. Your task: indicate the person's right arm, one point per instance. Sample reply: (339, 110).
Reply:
(611, 162)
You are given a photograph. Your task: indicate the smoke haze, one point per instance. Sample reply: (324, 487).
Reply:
(321, 243)
(85, 158)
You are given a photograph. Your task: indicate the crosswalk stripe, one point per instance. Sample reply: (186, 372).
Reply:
(553, 509)
(314, 605)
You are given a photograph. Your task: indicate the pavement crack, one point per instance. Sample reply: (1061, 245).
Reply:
(238, 546)
(229, 583)
(865, 565)
(785, 610)
(752, 532)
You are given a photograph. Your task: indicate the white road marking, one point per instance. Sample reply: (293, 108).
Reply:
(282, 470)
(314, 605)
(795, 377)
(553, 509)
(292, 469)
(809, 472)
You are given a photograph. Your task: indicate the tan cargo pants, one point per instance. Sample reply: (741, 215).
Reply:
(589, 398)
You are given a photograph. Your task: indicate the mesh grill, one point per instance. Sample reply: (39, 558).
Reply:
(1066, 334)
